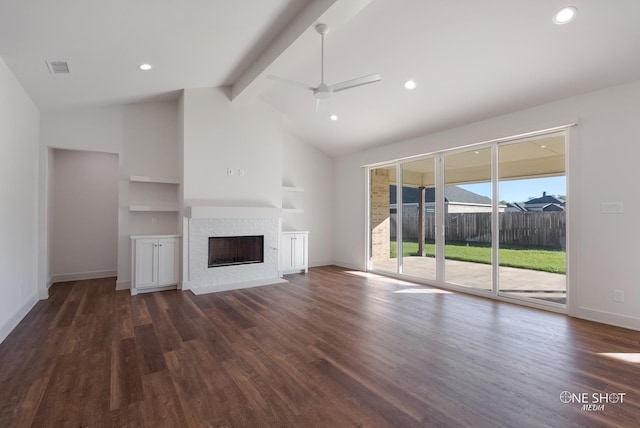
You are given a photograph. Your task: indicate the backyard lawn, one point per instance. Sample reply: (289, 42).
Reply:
(526, 258)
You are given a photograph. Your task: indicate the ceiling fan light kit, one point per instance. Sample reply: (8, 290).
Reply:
(323, 91)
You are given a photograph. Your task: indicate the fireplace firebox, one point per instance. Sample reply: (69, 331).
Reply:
(235, 250)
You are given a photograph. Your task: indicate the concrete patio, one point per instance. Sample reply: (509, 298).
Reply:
(516, 282)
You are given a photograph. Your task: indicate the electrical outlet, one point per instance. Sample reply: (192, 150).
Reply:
(229, 171)
(241, 172)
(612, 207)
(154, 220)
(618, 296)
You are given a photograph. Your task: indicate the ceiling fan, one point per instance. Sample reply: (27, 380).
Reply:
(324, 91)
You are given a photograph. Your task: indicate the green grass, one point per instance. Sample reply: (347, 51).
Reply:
(520, 257)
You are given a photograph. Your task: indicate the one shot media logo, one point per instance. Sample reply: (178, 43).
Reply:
(592, 401)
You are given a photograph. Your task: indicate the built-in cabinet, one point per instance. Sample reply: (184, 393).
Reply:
(294, 252)
(155, 263)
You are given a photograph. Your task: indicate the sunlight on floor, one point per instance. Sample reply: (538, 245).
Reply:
(422, 291)
(380, 277)
(418, 290)
(627, 357)
(364, 274)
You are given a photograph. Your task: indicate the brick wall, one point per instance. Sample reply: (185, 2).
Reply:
(380, 218)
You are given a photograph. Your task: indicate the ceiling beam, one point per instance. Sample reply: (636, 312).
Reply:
(331, 12)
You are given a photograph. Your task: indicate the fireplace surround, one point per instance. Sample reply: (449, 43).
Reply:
(204, 222)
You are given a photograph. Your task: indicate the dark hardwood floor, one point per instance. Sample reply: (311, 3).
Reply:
(330, 349)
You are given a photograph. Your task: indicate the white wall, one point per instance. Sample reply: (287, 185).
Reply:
(219, 135)
(150, 149)
(96, 129)
(19, 123)
(143, 135)
(84, 215)
(603, 154)
(305, 166)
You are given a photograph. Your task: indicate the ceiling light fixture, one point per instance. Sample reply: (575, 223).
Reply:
(145, 67)
(410, 85)
(565, 15)
(333, 117)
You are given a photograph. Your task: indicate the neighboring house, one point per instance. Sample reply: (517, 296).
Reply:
(456, 199)
(546, 203)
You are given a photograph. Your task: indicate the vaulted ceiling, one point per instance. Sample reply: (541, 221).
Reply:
(471, 60)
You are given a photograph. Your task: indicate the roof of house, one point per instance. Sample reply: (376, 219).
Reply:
(451, 194)
(544, 200)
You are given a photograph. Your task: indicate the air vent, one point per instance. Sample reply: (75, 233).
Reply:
(58, 67)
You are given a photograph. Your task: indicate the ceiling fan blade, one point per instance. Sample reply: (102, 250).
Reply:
(348, 84)
(290, 82)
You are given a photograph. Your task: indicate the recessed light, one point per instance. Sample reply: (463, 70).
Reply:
(565, 15)
(543, 146)
(145, 67)
(410, 85)
(333, 117)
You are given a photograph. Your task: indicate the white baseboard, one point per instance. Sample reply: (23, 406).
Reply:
(236, 285)
(321, 263)
(123, 285)
(604, 317)
(11, 323)
(79, 276)
(153, 289)
(349, 266)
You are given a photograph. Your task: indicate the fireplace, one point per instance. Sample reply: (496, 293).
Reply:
(235, 250)
(206, 221)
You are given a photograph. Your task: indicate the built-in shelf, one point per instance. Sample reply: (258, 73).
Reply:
(291, 201)
(153, 208)
(147, 179)
(292, 189)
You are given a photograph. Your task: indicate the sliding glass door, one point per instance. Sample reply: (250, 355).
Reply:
(418, 218)
(382, 219)
(532, 188)
(467, 218)
(490, 219)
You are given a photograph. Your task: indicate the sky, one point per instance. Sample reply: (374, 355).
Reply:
(522, 190)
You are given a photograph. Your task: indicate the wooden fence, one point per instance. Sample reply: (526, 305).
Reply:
(544, 229)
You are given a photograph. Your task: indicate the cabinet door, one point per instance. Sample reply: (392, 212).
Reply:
(146, 263)
(300, 251)
(287, 252)
(168, 262)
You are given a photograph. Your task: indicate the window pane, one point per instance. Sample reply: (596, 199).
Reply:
(467, 218)
(382, 240)
(418, 218)
(532, 189)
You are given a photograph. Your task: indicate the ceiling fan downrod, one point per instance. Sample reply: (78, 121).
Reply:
(322, 91)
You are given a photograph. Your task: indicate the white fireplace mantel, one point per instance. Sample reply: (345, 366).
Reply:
(232, 212)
